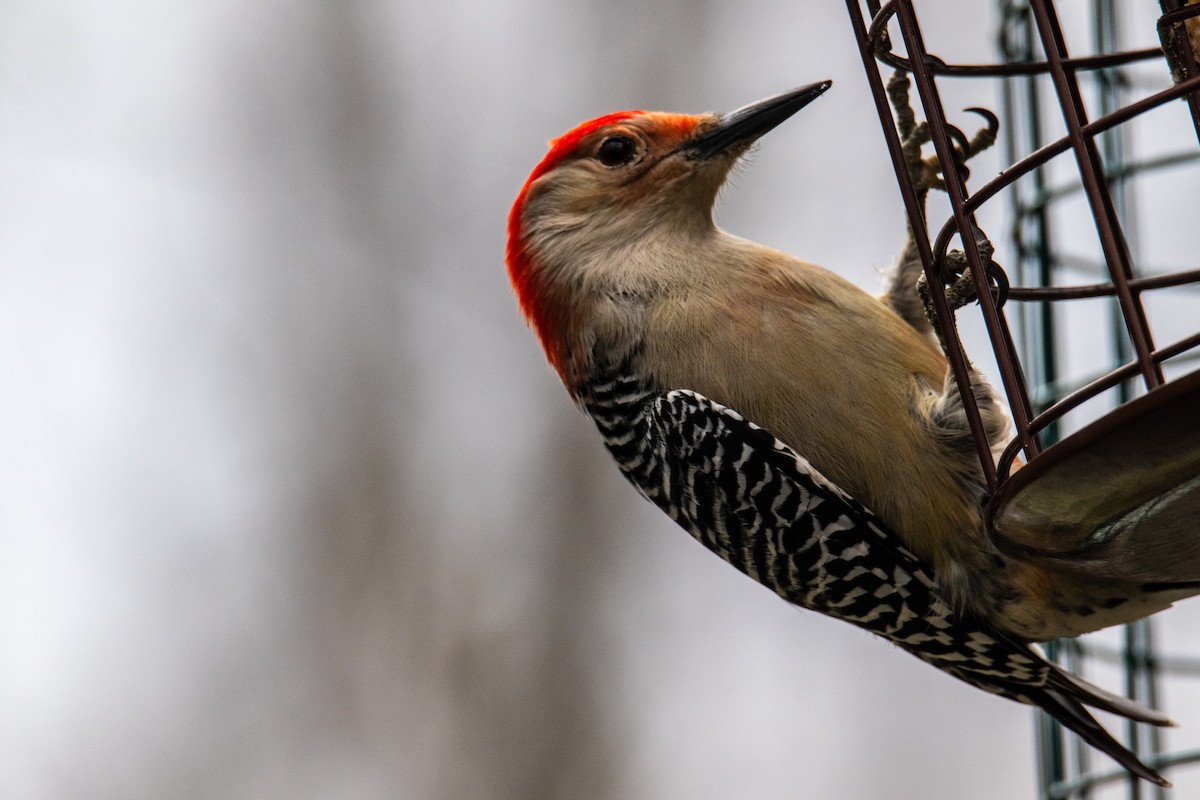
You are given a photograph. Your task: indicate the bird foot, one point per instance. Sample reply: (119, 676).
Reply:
(926, 172)
(960, 288)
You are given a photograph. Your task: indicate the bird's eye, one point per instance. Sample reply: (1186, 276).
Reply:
(616, 151)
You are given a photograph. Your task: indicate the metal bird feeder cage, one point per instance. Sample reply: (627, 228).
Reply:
(1106, 431)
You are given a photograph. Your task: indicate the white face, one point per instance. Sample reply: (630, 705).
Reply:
(619, 213)
(622, 181)
(607, 184)
(595, 224)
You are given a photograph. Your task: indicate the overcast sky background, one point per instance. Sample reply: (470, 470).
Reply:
(292, 505)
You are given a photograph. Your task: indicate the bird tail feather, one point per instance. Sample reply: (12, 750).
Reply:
(1094, 696)
(1064, 702)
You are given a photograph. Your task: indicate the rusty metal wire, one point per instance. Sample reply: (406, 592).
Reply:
(1124, 284)
(1035, 64)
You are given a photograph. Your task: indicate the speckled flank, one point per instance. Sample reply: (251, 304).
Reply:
(754, 502)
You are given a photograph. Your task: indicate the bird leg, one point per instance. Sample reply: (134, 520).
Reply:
(925, 173)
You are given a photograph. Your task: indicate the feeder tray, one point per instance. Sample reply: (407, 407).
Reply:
(1098, 501)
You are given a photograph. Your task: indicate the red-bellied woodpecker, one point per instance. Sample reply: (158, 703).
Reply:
(661, 325)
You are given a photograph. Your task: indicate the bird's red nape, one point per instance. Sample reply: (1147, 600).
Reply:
(542, 316)
(548, 315)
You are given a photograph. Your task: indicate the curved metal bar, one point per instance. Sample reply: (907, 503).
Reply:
(1041, 394)
(1059, 146)
(959, 364)
(1082, 394)
(1007, 457)
(1180, 346)
(1122, 171)
(1178, 15)
(877, 35)
(956, 191)
(1107, 381)
(1162, 281)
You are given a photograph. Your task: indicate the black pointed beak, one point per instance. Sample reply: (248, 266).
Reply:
(743, 126)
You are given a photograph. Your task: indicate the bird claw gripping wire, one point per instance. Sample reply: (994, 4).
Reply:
(960, 288)
(925, 172)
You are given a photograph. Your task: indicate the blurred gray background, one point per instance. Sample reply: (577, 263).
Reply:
(292, 505)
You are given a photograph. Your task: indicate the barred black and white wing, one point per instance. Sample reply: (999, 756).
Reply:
(756, 503)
